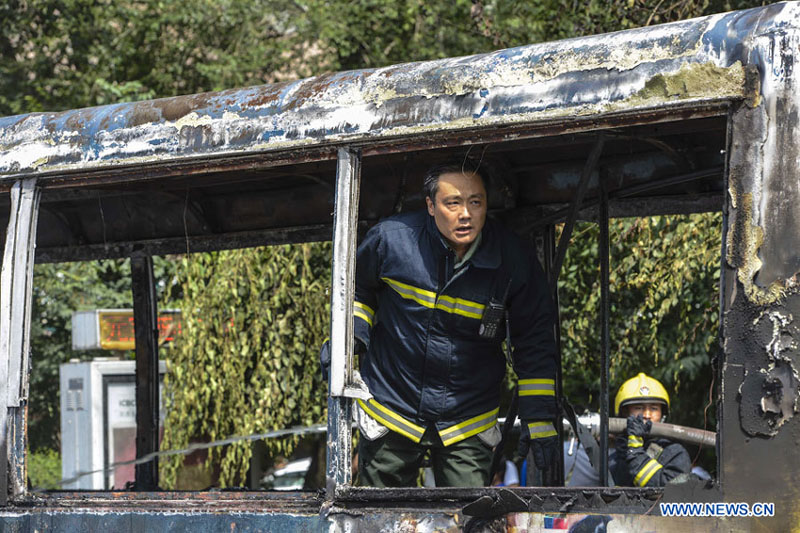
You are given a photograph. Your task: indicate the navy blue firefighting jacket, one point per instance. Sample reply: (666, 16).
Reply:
(657, 462)
(419, 319)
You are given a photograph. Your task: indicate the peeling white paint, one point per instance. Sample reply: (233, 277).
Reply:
(194, 120)
(229, 116)
(777, 344)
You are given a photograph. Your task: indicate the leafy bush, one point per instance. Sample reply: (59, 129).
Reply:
(44, 469)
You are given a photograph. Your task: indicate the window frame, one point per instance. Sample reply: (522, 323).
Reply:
(345, 223)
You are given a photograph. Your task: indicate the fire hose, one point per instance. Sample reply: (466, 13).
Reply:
(683, 434)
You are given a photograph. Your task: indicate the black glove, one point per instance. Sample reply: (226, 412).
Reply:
(325, 359)
(638, 429)
(643, 469)
(325, 355)
(543, 443)
(638, 426)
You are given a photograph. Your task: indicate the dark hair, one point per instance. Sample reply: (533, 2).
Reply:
(465, 165)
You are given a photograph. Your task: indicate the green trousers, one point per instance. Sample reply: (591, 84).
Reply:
(394, 461)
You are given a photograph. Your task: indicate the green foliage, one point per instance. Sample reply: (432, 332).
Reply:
(44, 469)
(61, 54)
(374, 33)
(248, 360)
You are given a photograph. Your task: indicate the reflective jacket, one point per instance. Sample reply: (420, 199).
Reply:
(419, 318)
(654, 463)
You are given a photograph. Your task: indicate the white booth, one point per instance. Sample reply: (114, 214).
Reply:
(98, 422)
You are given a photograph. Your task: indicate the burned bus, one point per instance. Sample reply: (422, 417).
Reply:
(689, 117)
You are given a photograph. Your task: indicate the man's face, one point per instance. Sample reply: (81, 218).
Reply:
(459, 209)
(651, 411)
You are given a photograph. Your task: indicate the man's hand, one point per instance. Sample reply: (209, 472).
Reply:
(642, 468)
(541, 438)
(545, 452)
(325, 355)
(325, 359)
(638, 426)
(637, 430)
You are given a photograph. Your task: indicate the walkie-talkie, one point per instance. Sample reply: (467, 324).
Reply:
(493, 314)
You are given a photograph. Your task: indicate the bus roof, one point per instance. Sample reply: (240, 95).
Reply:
(218, 170)
(699, 60)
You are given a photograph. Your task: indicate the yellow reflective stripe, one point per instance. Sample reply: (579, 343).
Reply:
(461, 307)
(457, 306)
(540, 430)
(536, 393)
(364, 310)
(651, 467)
(468, 428)
(538, 381)
(426, 298)
(459, 311)
(651, 474)
(363, 317)
(537, 387)
(394, 421)
(635, 442)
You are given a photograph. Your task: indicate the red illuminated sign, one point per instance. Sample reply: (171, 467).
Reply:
(117, 332)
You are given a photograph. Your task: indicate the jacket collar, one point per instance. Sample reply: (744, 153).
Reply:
(488, 254)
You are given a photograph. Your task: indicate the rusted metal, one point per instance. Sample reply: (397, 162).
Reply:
(165, 501)
(345, 217)
(549, 499)
(147, 380)
(148, 171)
(685, 64)
(530, 84)
(663, 205)
(18, 442)
(539, 217)
(17, 276)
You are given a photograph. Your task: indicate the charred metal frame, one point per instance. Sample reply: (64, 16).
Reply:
(739, 64)
(145, 316)
(605, 343)
(16, 282)
(548, 245)
(345, 217)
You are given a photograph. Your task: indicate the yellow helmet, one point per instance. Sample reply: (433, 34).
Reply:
(639, 389)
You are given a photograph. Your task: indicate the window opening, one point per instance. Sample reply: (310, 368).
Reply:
(682, 178)
(666, 328)
(529, 198)
(264, 311)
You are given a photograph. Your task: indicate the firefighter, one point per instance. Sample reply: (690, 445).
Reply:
(640, 460)
(433, 288)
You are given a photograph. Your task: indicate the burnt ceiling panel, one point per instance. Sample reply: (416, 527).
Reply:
(246, 207)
